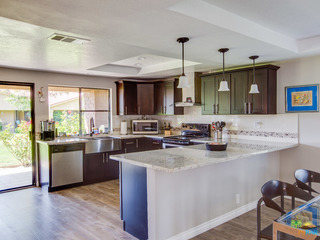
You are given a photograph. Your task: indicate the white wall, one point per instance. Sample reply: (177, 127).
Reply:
(307, 155)
(43, 79)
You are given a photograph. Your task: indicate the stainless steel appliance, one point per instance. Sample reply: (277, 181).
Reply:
(47, 130)
(67, 165)
(145, 126)
(189, 131)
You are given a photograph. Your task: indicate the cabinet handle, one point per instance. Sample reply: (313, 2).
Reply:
(213, 108)
(157, 143)
(102, 157)
(125, 110)
(128, 143)
(245, 108)
(125, 150)
(217, 109)
(137, 143)
(106, 159)
(165, 109)
(139, 112)
(250, 107)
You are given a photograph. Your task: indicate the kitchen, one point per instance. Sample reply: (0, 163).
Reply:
(296, 68)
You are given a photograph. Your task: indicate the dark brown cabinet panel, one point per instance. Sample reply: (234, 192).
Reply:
(97, 167)
(127, 98)
(132, 145)
(164, 98)
(152, 144)
(145, 99)
(239, 92)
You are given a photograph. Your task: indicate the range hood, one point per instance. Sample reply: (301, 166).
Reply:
(191, 96)
(187, 104)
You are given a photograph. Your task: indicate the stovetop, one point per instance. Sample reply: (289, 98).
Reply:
(189, 131)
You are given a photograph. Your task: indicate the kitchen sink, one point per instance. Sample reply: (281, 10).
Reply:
(102, 144)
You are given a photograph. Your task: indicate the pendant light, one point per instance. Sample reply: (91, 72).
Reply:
(183, 80)
(223, 84)
(254, 86)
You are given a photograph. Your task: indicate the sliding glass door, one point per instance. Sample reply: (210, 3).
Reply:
(17, 165)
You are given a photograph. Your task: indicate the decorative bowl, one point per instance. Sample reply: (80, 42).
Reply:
(216, 146)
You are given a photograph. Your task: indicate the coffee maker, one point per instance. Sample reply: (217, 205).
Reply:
(47, 130)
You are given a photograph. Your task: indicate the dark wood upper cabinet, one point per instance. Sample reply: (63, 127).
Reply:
(126, 98)
(145, 99)
(213, 101)
(239, 92)
(238, 100)
(136, 98)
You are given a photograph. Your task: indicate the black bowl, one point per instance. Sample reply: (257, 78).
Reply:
(216, 146)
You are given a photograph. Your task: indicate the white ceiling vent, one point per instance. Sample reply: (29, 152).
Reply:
(68, 39)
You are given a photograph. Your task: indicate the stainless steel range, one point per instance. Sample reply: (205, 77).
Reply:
(189, 131)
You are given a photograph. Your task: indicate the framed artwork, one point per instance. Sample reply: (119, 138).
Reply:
(302, 98)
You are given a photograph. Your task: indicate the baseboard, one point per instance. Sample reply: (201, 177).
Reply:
(215, 222)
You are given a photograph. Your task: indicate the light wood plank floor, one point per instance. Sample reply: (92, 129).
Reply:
(89, 212)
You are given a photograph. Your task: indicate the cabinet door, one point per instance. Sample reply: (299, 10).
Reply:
(145, 99)
(259, 101)
(208, 89)
(169, 98)
(152, 143)
(177, 96)
(94, 168)
(126, 98)
(159, 98)
(132, 145)
(239, 92)
(222, 98)
(111, 166)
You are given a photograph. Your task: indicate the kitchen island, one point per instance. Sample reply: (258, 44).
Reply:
(178, 193)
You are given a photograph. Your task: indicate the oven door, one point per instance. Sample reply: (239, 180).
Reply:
(172, 145)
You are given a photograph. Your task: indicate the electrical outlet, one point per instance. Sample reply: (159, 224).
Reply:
(237, 198)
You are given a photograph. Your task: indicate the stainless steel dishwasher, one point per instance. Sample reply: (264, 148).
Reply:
(66, 165)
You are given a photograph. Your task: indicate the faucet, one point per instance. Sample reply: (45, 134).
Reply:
(91, 126)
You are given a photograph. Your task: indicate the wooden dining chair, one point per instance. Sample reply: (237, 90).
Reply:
(270, 191)
(305, 178)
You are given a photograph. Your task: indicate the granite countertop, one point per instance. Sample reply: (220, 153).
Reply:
(72, 140)
(194, 156)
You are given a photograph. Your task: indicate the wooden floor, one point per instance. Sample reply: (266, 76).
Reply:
(89, 212)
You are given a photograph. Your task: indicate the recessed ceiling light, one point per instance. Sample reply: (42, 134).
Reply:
(137, 64)
(141, 58)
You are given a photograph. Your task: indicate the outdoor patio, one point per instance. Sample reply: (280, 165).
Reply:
(15, 177)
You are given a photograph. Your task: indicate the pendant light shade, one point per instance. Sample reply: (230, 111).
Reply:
(254, 87)
(183, 80)
(223, 84)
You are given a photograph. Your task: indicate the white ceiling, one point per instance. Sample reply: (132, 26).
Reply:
(137, 38)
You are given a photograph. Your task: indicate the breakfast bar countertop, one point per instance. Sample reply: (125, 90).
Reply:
(194, 156)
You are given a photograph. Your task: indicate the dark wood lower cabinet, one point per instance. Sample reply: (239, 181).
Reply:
(152, 144)
(97, 167)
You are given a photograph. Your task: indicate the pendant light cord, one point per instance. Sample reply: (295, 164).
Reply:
(254, 71)
(223, 69)
(183, 58)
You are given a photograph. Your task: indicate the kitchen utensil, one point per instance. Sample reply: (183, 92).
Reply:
(223, 124)
(216, 146)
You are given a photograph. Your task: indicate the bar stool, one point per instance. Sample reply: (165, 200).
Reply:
(304, 178)
(271, 190)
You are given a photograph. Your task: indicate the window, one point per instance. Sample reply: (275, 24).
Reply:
(72, 113)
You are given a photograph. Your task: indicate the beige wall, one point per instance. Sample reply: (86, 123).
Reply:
(43, 79)
(300, 72)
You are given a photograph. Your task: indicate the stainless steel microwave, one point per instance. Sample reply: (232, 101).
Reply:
(145, 126)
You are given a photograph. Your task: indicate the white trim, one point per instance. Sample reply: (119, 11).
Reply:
(215, 222)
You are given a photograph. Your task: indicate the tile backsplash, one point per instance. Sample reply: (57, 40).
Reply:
(277, 127)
